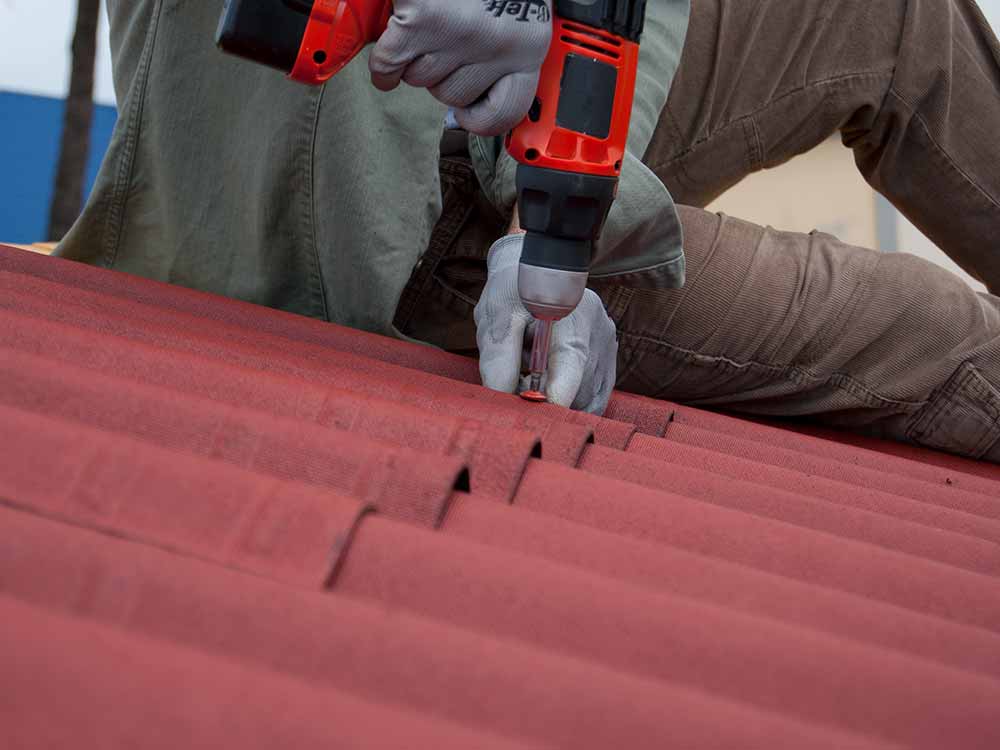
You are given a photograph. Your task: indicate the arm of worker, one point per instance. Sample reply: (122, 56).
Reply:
(641, 245)
(477, 56)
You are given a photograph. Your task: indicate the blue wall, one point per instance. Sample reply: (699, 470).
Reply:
(30, 128)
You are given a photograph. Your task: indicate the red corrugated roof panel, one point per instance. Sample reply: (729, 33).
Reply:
(767, 544)
(375, 653)
(255, 349)
(249, 510)
(931, 540)
(667, 568)
(685, 459)
(80, 684)
(895, 479)
(890, 458)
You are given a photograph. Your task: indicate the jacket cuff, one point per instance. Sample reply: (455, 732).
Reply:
(496, 171)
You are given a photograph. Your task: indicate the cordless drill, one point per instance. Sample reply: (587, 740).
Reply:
(570, 146)
(570, 149)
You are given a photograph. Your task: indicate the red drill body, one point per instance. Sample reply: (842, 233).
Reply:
(544, 140)
(336, 33)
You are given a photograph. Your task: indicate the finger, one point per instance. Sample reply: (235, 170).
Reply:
(503, 107)
(567, 362)
(464, 86)
(391, 55)
(386, 81)
(429, 70)
(606, 372)
(501, 341)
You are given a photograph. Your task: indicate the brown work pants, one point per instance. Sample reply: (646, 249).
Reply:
(778, 323)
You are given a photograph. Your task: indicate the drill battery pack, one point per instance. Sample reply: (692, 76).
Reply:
(309, 40)
(269, 32)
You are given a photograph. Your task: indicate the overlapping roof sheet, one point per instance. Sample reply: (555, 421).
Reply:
(225, 526)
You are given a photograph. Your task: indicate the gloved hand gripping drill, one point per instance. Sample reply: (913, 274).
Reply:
(570, 150)
(475, 56)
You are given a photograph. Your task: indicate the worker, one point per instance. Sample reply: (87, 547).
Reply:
(346, 204)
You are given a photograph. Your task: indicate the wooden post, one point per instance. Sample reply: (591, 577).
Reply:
(67, 194)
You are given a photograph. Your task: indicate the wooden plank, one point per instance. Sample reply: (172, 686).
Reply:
(42, 248)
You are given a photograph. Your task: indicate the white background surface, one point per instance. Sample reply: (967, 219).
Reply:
(35, 37)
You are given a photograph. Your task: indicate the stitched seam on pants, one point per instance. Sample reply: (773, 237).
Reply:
(621, 276)
(316, 272)
(840, 380)
(834, 81)
(617, 303)
(120, 193)
(755, 148)
(923, 124)
(682, 167)
(451, 289)
(672, 126)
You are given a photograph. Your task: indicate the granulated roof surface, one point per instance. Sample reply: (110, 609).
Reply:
(225, 526)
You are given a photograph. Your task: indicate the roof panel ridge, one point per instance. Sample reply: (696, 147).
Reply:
(845, 519)
(237, 312)
(289, 326)
(388, 655)
(413, 485)
(262, 352)
(181, 503)
(844, 451)
(702, 577)
(242, 314)
(493, 458)
(806, 674)
(500, 456)
(918, 489)
(697, 461)
(966, 467)
(53, 659)
(650, 416)
(765, 544)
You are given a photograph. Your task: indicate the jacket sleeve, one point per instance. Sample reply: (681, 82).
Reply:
(642, 242)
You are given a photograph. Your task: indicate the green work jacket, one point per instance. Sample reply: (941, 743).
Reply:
(224, 176)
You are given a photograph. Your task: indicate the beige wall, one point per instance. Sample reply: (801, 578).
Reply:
(823, 190)
(819, 190)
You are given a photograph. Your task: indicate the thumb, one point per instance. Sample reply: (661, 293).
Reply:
(567, 362)
(501, 342)
(390, 56)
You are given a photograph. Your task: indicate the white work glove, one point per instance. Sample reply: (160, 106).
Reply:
(583, 355)
(479, 57)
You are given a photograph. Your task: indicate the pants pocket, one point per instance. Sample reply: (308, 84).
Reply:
(963, 416)
(438, 301)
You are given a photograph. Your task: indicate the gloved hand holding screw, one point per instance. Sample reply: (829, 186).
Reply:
(583, 355)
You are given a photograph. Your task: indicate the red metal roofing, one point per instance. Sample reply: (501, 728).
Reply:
(222, 525)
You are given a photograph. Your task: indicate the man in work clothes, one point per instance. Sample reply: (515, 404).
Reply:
(345, 203)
